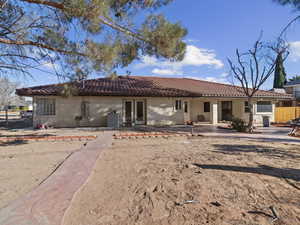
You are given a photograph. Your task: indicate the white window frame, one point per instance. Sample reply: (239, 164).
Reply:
(186, 107)
(178, 105)
(257, 112)
(209, 108)
(247, 106)
(45, 107)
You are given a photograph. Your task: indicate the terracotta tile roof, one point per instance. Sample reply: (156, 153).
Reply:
(148, 87)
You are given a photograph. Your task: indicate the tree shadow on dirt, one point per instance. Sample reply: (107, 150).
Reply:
(27, 135)
(16, 123)
(287, 173)
(259, 149)
(13, 143)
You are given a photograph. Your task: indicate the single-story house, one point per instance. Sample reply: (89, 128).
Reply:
(293, 88)
(141, 100)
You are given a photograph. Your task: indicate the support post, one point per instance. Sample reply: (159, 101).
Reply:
(214, 113)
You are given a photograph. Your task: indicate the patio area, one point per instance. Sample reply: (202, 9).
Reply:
(270, 134)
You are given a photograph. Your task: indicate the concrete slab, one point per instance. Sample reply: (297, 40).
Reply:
(268, 134)
(47, 203)
(271, 134)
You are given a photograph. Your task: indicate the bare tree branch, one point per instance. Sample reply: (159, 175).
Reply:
(252, 72)
(36, 44)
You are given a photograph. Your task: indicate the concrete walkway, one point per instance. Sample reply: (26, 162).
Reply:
(269, 134)
(47, 203)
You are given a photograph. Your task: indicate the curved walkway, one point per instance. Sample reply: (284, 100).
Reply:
(47, 203)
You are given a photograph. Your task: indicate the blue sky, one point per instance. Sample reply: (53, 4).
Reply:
(215, 29)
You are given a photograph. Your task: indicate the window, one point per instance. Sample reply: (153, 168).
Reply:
(45, 107)
(186, 107)
(206, 106)
(178, 105)
(264, 106)
(85, 109)
(246, 107)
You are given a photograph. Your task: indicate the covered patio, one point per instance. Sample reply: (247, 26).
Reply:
(215, 111)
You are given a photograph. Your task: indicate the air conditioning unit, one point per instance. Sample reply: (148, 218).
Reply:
(114, 120)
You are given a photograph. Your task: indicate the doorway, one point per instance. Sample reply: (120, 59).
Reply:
(186, 111)
(227, 111)
(140, 112)
(134, 112)
(128, 106)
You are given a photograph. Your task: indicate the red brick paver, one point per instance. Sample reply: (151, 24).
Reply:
(47, 203)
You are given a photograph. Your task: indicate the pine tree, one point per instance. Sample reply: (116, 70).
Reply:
(77, 37)
(279, 74)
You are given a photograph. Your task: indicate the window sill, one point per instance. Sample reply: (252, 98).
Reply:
(264, 113)
(45, 115)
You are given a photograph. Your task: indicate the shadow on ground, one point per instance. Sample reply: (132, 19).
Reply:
(12, 143)
(27, 135)
(259, 149)
(287, 173)
(16, 123)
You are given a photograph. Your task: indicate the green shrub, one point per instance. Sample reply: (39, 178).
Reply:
(239, 125)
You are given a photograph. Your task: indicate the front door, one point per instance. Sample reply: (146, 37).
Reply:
(140, 112)
(227, 110)
(186, 111)
(128, 113)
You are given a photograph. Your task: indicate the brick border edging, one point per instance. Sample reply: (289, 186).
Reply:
(153, 135)
(48, 138)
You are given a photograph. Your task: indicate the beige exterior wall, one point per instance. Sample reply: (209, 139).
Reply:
(197, 106)
(159, 111)
(69, 108)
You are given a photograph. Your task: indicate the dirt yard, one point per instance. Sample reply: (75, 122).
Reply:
(24, 165)
(181, 181)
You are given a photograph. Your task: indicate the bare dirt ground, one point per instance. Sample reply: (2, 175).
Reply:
(183, 181)
(24, 165)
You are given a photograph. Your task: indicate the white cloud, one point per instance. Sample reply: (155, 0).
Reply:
(225, 75)
(51, 66)
(166, 72)
(191, 41)
(194, 56)
(197, 57)
(219, 79)
(295, 51)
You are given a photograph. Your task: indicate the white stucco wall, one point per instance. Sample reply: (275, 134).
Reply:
(197, 108)
(68, 108)
(160, 111)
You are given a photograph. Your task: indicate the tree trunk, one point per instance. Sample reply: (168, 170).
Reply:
(250, 124)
